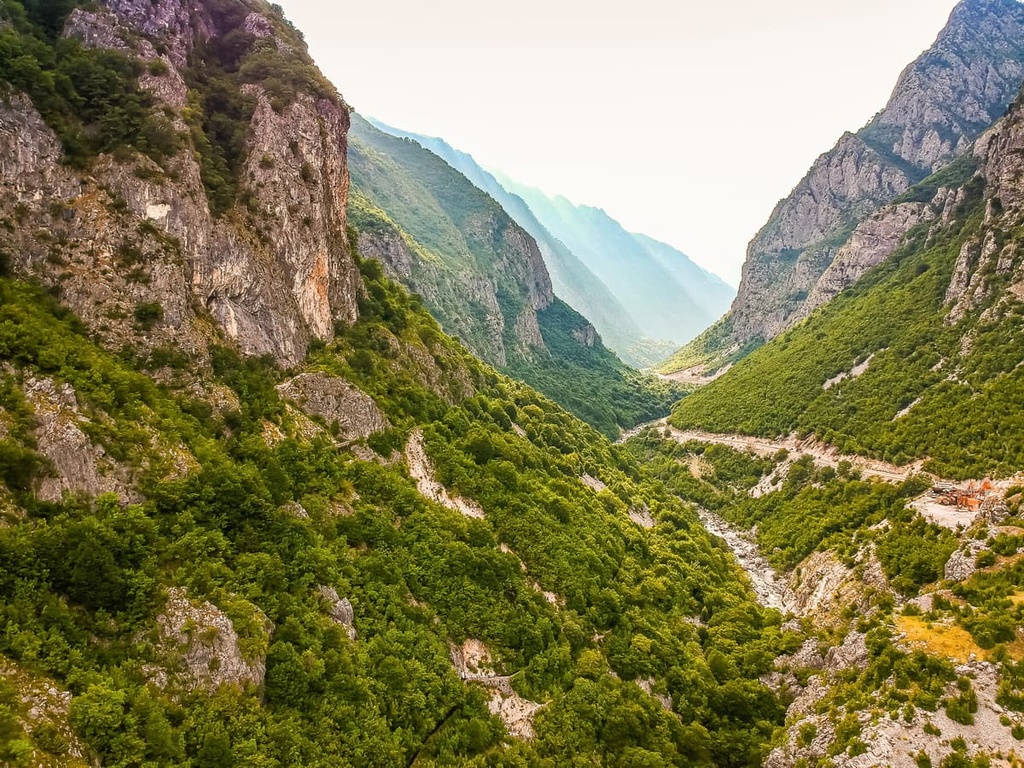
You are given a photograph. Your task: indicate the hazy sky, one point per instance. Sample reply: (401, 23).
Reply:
(684, 120)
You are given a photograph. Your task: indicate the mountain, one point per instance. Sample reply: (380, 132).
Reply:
(912, 375)
(940, 104)
(256, 508)
(923, 350)
(484, 278)
(708, 290)
(662, 306)
(573, 282)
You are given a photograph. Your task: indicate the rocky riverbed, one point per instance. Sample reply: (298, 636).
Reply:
(768, 586)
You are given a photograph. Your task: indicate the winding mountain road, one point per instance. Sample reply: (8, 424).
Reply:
(823, 455)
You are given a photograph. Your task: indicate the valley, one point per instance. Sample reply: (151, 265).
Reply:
(321, 445)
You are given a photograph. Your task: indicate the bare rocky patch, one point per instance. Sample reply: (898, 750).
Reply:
(472, 660)
(336, 402)
(207, 644)
(80, 465)
(422, 471)
(44, 713)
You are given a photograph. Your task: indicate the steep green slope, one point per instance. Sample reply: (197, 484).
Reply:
(572, 280)
(260, 510)
(664, 306)
(484, 279)
(942, 379)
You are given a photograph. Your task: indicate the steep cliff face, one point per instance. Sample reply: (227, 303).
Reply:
(957, 88)
(941, 103)
(480, 273)
(136, 245)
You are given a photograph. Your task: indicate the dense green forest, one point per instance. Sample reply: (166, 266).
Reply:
(262, 589)
(81, 581)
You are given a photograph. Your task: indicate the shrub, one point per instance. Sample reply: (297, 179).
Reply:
(148, 314)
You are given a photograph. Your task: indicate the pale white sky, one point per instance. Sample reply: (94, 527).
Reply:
(684, 120)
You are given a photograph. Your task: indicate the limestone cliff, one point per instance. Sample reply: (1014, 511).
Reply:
(137, 247)
(817, 241)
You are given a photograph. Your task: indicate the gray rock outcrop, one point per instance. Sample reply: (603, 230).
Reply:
(79, 465)
(272, 293)
(207, 643)
(961, 565)
(340, 609)
(335, 400)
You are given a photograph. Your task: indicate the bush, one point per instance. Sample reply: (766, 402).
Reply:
(148, 314)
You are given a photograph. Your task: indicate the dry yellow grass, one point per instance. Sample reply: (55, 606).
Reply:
(952, 641)
(1017, 598)
(947, 640)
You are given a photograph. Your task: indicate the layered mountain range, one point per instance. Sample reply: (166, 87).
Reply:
(258, 508)
(485, 279)
(822, 237)
(643, 296)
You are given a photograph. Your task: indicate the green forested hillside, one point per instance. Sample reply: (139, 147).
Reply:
(573, 281)
(479, 287)
(82, 581)
(960, 381)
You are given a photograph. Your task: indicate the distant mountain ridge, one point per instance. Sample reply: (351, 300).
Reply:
(484, 278)
(941, 103)
(658, 285)
(642, 323)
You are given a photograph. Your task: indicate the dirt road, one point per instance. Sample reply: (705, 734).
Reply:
(823, 455)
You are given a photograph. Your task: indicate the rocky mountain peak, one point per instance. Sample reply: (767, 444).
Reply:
(957, 88)
(940, 105)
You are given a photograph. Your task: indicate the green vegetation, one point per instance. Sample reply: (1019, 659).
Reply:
(81, 581)
(406, 195)
(706, 351)
(963, 398)
(954, 175)
(590, 381)
(89, 97)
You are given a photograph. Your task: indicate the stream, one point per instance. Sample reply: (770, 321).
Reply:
(768, 587)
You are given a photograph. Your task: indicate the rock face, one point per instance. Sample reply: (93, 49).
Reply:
(335, 400)
(892, 741)
(208, 644)
(819, 240)
(822, 587)
(480, 273)
(340, 609)
(422, 471)
(79, 465)
(992, 255)
(274, 272)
